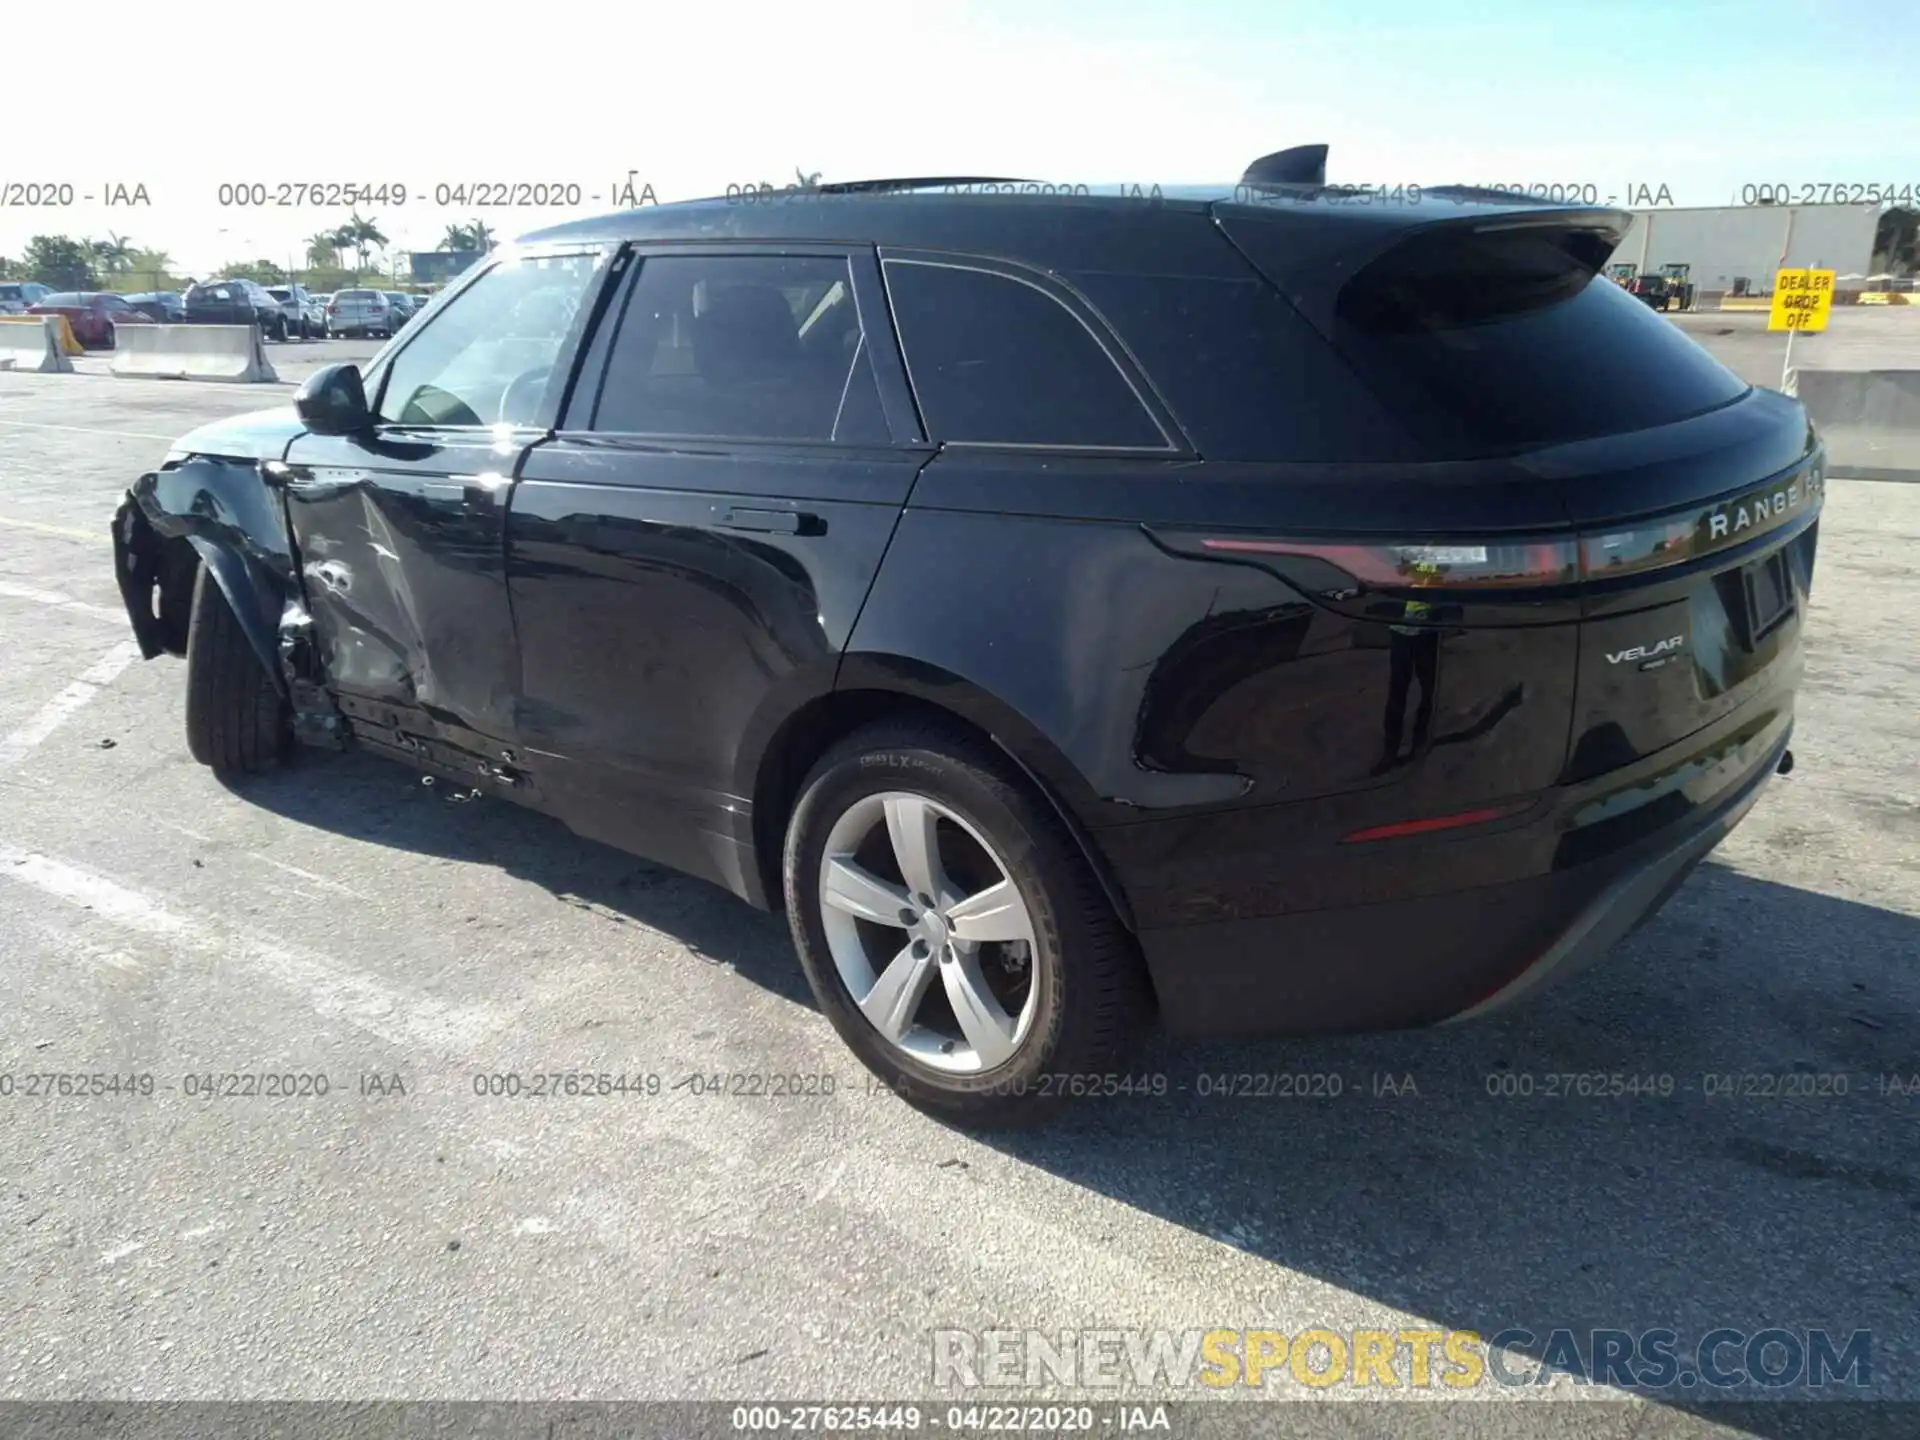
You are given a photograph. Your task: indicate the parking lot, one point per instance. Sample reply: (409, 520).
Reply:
(409, 1236)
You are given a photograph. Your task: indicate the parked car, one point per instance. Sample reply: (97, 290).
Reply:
(404, 308)
(304, 316)
(236, 301)
(93, 314)
(165, 307)
(361, 312)
(17, 295)
(1064, 609)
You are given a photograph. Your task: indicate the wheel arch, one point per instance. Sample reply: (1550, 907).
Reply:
(874, 688)
(224, 508)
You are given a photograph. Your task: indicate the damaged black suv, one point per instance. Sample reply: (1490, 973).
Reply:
(1066, 607)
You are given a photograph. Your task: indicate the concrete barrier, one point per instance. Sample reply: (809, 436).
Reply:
(1859, 397)
(1869, 420)
(36, 346)
(62, 326)
(191, 352)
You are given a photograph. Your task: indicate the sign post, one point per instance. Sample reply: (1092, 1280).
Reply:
(1802, 300)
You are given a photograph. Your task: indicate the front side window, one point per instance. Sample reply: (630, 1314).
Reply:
(486, 358)
(996, 361)
(742, 347)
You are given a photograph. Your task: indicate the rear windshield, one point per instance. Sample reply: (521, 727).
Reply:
(1489, 343)
(358, 295)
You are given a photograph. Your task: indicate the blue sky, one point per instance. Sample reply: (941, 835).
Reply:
(693, 97)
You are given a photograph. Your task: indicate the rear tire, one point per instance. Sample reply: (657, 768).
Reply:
(1070, 998)
(237, 723)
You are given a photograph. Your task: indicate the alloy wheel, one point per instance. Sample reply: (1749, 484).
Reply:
(929, 933)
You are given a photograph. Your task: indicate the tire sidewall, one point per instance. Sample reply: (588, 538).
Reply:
(838, 784)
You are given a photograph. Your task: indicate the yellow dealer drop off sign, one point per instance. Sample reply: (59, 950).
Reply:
(1802, 300)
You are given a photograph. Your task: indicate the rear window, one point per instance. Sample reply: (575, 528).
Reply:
(358, 295)
(1490, 343)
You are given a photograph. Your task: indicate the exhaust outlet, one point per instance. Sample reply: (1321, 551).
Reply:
(1786, 763)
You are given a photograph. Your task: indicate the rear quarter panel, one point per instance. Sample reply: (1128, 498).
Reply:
(1141, 684)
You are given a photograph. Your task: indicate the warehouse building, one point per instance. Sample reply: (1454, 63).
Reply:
(1728, 244)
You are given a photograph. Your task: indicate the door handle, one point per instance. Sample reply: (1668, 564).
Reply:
(774, 522)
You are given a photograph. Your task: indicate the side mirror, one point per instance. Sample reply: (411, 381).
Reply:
(333, 401)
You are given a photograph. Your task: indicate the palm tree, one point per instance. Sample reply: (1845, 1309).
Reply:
(482, 235)
(361, 235)
(156, 263)
(807, 182)
(457, 238)
(323, 249)
(115, 253)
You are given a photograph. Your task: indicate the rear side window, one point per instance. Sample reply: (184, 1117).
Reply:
(1244, 375)
(1490, 343)
(742, 347)
(996, 361)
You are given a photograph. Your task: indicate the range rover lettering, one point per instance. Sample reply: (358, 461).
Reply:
(1073, 612)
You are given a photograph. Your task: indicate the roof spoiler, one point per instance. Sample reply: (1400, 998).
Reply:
(1312, 262)
(1301, 165)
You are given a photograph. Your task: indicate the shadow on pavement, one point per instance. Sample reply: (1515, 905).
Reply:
(1772, 1178)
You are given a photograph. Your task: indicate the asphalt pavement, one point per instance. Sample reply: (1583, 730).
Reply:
(413, 1234)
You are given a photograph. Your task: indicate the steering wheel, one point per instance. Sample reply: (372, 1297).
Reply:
(521, 398)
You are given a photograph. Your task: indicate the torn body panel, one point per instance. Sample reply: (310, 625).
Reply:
(402, 566)
(226, 514)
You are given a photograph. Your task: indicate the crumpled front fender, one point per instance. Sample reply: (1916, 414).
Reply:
(231, 513)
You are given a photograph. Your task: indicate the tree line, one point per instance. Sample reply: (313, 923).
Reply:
(337, 256)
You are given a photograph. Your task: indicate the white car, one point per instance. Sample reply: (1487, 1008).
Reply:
(361, 312)
(17, 295)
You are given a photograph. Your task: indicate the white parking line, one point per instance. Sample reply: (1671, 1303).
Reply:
(54, 598)
(86, 430)
(330, 989)
(29, 737)
(65, 532)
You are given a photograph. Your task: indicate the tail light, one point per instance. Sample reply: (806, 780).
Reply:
(1345, 570)
(1442, 566)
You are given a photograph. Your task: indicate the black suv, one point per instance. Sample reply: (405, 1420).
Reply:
(1283, 607)
(235, 301)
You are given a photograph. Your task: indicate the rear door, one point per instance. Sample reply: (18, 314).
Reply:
(400, 533)
(689, 552)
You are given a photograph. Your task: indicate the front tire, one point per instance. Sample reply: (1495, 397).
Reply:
(952, 930)
(237, 722)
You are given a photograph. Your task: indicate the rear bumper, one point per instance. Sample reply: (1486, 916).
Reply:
(1614, 849)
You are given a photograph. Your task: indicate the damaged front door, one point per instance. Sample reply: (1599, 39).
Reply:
(400, 531)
